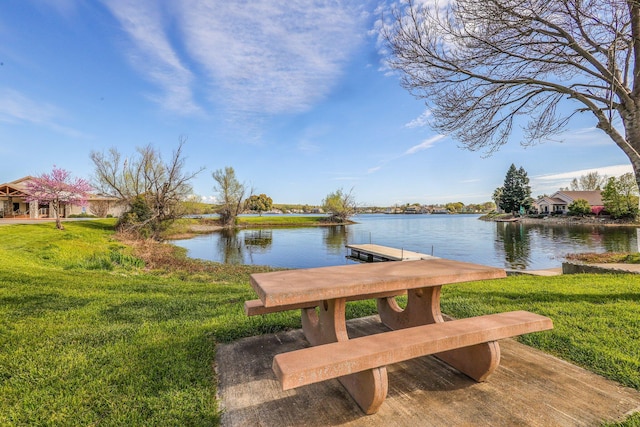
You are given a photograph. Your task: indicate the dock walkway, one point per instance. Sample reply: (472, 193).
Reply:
(375, 253)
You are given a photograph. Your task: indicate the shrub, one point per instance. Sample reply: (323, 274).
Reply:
(579, 207)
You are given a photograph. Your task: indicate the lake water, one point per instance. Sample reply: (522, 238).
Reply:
(459, 237)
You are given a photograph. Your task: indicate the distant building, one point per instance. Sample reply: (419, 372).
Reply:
(14, 195)
(559, 201)
(413, 210)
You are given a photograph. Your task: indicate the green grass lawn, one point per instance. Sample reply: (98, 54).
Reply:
(89, 336)
(282, 221)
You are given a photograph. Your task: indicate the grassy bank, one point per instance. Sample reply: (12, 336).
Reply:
(92, 334)
(189, 227)
(282, 221)
(87, 336)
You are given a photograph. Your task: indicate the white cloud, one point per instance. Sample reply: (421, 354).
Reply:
(615, 170)
(153, 55)
(553, 182)
(15, 107)
(374, 169)
(209, 199)
(419, 121)
(270, 57)
(248, 56)
(427, 143)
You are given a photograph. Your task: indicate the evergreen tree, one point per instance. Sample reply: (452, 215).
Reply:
(516, 192)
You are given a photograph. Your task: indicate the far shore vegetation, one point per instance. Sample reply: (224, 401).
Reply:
(95, 329)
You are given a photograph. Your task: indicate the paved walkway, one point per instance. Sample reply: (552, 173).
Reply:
(10, 221)
(530, 388)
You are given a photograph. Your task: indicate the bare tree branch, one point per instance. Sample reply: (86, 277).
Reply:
(487, 66)
(145, 180)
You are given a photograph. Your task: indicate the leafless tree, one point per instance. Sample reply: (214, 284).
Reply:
(589, 182)
(151, 188)
(99, 208)
(484, 65)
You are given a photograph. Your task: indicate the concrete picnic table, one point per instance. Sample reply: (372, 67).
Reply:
(471, 346)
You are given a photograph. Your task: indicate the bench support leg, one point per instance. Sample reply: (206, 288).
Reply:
(327, 324)
(367, 388)
(477, 361)
(423, 307)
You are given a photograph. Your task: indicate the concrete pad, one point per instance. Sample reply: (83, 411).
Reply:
(530, 388)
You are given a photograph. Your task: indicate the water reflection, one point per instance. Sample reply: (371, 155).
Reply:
(239, 247)
(459, 237)
(258, 239)
(335, 238)
(519, 244)
(514, 243)
(230, 247)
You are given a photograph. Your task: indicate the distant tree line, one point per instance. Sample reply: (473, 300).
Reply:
(156, 192)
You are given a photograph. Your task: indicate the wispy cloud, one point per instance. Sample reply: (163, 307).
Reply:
(615, 170)
(306, 146)
(427, 143)
(553, 182)
(271, 57)
(153, 55)
(419, 121)
(15, 107)
(250, 57)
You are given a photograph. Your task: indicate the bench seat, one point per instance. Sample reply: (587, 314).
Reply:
(337, 359)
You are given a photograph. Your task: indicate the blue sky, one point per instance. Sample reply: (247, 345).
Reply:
(293, 95)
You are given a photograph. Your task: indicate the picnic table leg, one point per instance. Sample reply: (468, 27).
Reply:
(423, 307)
(327, 324)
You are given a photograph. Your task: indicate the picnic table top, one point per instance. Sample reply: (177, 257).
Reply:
(344, 281)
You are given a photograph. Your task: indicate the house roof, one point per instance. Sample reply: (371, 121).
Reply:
(593, 197)
(17, 188)
(549, 201)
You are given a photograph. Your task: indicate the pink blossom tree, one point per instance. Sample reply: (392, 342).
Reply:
(57, 188)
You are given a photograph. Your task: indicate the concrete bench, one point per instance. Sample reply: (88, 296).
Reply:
(333, 360)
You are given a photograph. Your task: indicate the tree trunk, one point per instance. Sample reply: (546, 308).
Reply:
(56, 209)
(631, 145)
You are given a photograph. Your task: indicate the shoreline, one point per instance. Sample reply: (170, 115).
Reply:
(194, 230)
(566, 220)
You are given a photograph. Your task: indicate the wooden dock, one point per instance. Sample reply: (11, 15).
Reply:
(377, 253)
